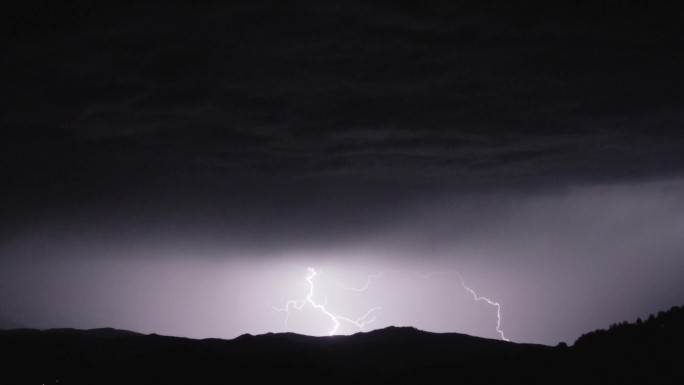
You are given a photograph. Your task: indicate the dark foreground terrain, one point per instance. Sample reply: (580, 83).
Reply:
(642, 352)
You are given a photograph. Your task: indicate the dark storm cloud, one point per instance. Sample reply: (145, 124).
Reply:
(470, 92)
(285, 115)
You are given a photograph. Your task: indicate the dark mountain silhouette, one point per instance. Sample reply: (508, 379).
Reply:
(642, 351)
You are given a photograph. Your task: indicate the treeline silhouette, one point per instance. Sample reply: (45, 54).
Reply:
(663, 328)
(642, 352)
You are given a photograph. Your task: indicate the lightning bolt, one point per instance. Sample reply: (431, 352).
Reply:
(477, 298)
(309, 300)
(489, 301)
(366, 318)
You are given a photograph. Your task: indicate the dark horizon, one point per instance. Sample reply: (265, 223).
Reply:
(176, 168)
(640, 351)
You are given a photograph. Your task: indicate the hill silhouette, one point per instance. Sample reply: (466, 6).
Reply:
(638, 351)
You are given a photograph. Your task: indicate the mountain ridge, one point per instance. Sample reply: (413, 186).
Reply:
(626, 352)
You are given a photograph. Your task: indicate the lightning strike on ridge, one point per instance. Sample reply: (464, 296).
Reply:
(309, 300)
(429, 275)
(364, 320)
(489, 301)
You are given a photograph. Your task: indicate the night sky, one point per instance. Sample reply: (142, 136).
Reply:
(173, 168)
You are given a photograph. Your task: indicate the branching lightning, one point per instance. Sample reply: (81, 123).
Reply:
(370, 316)
(336, 319)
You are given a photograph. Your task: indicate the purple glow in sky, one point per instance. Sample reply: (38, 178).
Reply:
(559, 264)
